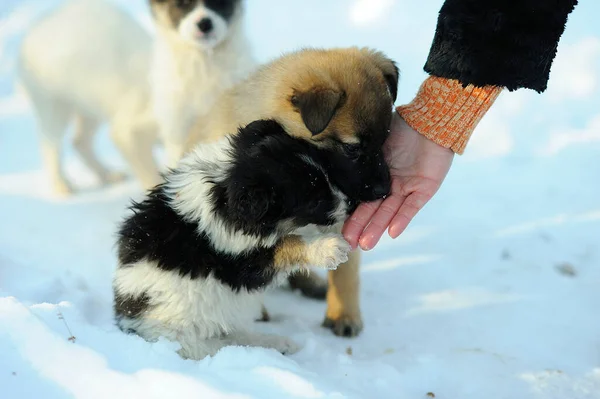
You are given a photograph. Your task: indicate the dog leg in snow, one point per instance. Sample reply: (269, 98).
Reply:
(310, 284)
(135, 145)
(174, 152)
(264, 315)
(51, 154)
(83, 142)
(343, 315)
(52, 123)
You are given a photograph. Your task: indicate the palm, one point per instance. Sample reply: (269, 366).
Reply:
(418, 167)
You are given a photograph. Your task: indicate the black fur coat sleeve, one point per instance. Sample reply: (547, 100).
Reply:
(510, 43)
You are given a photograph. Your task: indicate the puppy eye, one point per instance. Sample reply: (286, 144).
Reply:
(352, 150)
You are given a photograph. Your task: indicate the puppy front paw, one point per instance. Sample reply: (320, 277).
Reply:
(328, 251)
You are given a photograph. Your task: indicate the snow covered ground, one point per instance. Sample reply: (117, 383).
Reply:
(493, 292)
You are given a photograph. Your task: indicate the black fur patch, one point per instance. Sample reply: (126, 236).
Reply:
(157, 233)
(225, 8)
(509, 43)
(270, 182)
(178, 9)
(392, 81)
(129, 306)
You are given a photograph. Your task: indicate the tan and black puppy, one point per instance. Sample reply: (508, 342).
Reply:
(339, 99)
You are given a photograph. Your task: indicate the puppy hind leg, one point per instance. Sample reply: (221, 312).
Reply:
(309, 283)
(52, 118)
(174, 152)
(135, 145)
(52, 158)
(174, 135)
(264, 314)
(83, 142)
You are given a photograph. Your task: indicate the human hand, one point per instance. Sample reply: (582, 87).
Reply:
(418, 166)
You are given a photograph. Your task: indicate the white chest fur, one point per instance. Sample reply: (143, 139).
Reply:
(187, 80)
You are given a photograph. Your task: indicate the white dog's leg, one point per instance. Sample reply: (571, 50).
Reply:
(83, 141)
(174, 137)
(174, 151)
(173, 128)
(53, 118)
(135, 145)
(51, 155)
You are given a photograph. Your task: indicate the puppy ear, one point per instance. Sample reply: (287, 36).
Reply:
(252, 190)
(251, 204)
(388, 67)
(392, 79)
(317, 107)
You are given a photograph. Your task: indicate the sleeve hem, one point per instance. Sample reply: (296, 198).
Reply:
(447, 112)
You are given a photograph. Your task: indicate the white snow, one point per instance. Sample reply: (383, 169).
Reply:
(493, 291)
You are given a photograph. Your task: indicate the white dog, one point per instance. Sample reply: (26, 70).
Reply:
(89, 61)
(201, 50)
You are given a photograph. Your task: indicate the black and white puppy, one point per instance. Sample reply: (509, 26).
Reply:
(197, 254)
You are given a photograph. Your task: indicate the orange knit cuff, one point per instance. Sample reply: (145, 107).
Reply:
(446, 112)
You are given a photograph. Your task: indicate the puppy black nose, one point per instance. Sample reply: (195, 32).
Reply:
(205, 25)
(381, 190)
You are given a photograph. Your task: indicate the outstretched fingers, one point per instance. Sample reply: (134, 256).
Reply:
(356, 224)
(380, 221)
(409, 208)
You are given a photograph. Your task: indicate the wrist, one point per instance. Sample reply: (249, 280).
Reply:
(446, 112)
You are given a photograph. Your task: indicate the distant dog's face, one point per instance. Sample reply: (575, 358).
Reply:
(341, 101)
(202, 22)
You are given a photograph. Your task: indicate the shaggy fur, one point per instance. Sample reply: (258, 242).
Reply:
(509, 43)
(198, 252)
